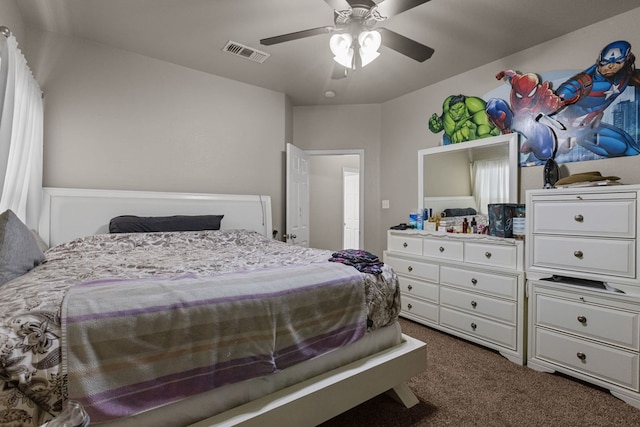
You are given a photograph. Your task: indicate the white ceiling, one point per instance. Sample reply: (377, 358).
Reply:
(464, 33)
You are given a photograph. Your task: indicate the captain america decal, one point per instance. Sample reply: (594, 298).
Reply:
(592, 114)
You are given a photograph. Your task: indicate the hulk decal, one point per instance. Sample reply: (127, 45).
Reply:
(463, 119)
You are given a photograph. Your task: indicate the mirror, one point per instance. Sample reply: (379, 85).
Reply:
(464, 175)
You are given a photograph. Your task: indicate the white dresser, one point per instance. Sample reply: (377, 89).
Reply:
(471, 286)
(577, 326)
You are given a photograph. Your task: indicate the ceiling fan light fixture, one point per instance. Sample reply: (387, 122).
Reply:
(340, 45)
(346, 59)
(369, 42)
(367, 58)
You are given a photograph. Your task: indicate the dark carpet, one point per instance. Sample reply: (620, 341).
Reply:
(468, 385)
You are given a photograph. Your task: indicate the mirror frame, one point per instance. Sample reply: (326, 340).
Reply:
(510, 140)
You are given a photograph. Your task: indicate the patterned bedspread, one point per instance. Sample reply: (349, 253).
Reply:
(33, 382)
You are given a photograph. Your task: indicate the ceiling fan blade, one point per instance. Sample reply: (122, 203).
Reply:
(405, 46)
(388, 8)
(297, 35)
(338, 4)
(339, 72)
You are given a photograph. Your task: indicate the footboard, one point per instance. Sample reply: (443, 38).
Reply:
(321, 398)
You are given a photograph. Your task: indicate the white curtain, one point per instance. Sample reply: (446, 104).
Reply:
(489, 178)
(21, 135)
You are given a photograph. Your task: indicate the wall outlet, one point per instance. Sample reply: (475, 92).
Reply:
(385, 204)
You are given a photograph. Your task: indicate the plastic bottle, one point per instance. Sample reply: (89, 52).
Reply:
(474, 225)
(419, 220)
(73, 415)
(413, 219)
(465, 226)
(519, 225)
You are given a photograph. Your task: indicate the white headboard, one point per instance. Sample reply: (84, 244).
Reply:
(68, 213)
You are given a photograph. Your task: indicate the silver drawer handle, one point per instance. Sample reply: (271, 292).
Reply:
(474, 326)
(474, 304)
(582, 319)
(441, 249)
(474, 281)
(409, 306)
(409, 287)
(581, 356)
(410, 269)
(487, 254)
(578, 218)
(405, 244)
(578, 254)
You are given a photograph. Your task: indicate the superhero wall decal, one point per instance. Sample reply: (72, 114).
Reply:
(567, 116)
(463, 118)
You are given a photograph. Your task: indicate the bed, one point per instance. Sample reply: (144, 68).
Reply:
(318, 365)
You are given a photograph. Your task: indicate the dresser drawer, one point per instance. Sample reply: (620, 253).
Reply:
(418, 288)
(496, 284)
(423, 270)
(499, 333)
(423, 310)
(490, 307)
(604, 218)
(601, 323)
(405, 244)
(444, 249)
(614, 257)
(600, 361)
(493, 255)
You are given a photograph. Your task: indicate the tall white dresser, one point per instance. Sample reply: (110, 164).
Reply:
(471, 286)
(584, 286)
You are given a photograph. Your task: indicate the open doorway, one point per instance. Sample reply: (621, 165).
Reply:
(335, 199)
(350, 208)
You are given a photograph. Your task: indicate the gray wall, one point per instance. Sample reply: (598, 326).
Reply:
(326, 205)
(115, 119)
(348, 127)
(404, 127)
(118, 120)
(10, 17)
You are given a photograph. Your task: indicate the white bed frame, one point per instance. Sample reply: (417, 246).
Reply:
(70, 213)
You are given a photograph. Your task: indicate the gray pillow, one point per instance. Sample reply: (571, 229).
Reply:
(41, 243)
(19, 251)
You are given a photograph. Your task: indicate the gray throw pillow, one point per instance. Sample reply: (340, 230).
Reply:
(19, 251)
(41, 243)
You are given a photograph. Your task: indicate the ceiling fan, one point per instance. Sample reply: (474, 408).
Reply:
(354, 25)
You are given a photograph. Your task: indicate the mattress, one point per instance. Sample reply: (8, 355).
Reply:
(216, 401)
(34, 377)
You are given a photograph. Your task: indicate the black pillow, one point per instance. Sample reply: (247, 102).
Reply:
(459, 212)
(148, 224)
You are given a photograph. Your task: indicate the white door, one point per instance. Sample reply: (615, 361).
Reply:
(351, 209)
(297, 196)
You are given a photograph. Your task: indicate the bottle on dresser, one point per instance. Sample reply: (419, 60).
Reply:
(518, 222)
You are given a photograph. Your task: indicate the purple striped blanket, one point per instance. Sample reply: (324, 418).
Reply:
(191, 334)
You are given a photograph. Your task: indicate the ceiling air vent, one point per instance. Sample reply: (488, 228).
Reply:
(245, 52)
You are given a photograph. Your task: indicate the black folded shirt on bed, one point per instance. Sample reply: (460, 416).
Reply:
(363, 261)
